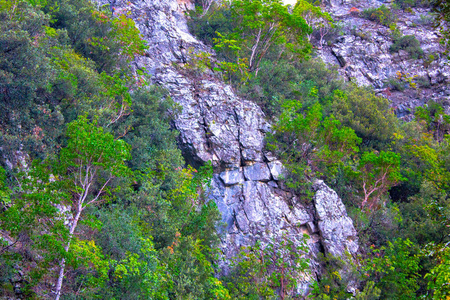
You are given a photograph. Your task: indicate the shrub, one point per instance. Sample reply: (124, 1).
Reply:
(369, 115)
(381, 15)
(263, 271)
(205, 26)
(282, 80)
(428, 60)
(426, 19)
(366, 36)
(402, 81)
(395, 84)
(395, 32)
(408, 43)
(396, 266)
(423, 82)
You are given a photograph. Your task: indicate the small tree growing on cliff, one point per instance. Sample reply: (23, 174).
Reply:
(262, 24)
(310, 144)
(376, 173)
(55, 194)
(90, 161)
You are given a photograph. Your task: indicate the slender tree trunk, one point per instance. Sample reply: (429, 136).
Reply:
(62, 263)
(205, 10)
(254, 50)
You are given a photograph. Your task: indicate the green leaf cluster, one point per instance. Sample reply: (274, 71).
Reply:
(407, 43)
(270, 271)
(382, 15)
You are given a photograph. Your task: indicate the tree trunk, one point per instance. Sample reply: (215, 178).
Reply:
(62, 263)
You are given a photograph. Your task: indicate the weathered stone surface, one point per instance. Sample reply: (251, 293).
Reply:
(336, 228)
(232, 177)
(257, 171)
(253, 203)
(270, 156)
(276, 169)
(272, 184)
(363, 54)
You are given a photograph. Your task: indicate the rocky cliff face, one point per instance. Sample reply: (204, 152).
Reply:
(218, 126)
(361, 52)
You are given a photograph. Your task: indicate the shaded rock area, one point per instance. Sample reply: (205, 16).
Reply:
(361, 53)
(217, 125)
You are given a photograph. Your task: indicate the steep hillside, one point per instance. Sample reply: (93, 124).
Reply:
(245, 149)
(217, 125)
(363, 52)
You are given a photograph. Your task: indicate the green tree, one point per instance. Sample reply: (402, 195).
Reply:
(310, 144)
(91, 158)
(185, 229)
(4, 190)
(26, 76)
(57, 62)
(368, 115)
(261, 25)
(319, 21)
(109, 41)
(439, 276)
(396, 268)
(436, 121)
(54, 195)
(376, 173)
(34, 222)
(267, 271)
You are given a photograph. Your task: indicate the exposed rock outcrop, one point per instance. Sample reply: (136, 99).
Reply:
(362, 53)
(336, 228)
(217, 125)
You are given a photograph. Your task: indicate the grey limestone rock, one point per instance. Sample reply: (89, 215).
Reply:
(257, 171)
(232, 177)
(336, 228)
(276, 169)
(362, 53)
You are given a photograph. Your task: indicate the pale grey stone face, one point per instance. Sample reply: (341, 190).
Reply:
(217, 125)
(336, 228)
(361, 53)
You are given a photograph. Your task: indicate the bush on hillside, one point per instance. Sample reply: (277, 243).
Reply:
(382, 15)
(408, 43)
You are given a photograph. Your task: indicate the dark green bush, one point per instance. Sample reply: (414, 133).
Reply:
(205, 26)
(280, 80)
(395, 84)
(408, 43)
(382, 15)
(369, 115)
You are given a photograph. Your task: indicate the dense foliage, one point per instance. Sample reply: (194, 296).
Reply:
(382, 15)
(110, 210)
